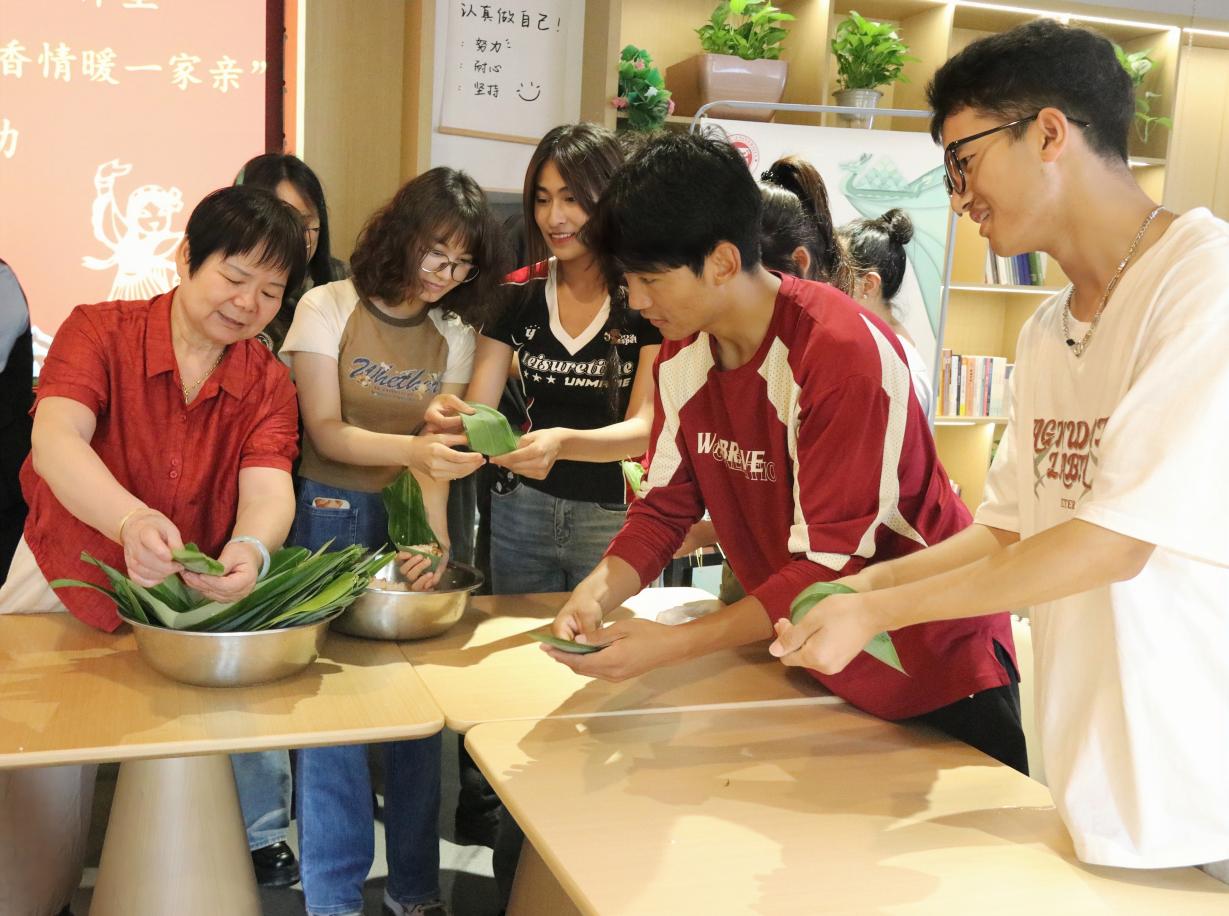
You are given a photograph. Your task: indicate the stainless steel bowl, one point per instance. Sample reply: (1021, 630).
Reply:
(230, 659)
(385, 613)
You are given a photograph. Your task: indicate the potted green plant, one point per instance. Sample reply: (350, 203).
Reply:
(1138, 65)
(868, 55)
(741, 44)
(642, 92)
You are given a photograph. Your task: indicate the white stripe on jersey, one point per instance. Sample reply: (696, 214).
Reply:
(783, 395)
(898, 385)
(678, 380)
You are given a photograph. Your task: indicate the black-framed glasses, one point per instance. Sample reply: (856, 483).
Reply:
(461, 271)
(954, 178)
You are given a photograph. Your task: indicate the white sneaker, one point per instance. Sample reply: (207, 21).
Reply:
(430, 908)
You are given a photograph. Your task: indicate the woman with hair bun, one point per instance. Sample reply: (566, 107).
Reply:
(875, 259)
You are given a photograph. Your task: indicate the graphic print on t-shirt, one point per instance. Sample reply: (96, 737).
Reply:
(751, 463)
(385, 380)
(573, 373)
(1066, 451)
(564, 377)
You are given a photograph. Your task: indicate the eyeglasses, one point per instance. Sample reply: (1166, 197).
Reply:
(954, 178)
(461, 271)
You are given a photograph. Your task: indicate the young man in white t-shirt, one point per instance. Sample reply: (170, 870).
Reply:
(1107, 508)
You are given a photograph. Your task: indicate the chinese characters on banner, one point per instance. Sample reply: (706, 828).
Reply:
(505, 68)
(155, 104)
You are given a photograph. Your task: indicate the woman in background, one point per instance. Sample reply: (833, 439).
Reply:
(293, 181)
(263, 777)
(875, 258)
(797, 235)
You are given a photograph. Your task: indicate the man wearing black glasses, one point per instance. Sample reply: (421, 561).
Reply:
(1106, 508)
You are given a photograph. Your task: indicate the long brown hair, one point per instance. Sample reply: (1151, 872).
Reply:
(587, 157)
(442, 203)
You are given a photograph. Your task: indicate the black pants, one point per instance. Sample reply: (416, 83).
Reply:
(989, 720)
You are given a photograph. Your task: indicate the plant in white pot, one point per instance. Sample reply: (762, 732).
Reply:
(868, 55)
(741, 61)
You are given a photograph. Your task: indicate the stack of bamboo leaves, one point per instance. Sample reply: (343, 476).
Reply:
(301, 587)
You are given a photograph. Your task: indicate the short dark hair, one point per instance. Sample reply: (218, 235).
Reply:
(587, 157)
(442, 203)
(247, 221)
(271, 169)
(672, 204)
(879, 244)
(1041, 64)
(796, 214)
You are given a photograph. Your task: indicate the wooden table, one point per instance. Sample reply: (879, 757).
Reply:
(70, 694)
(784, 810)
(486, 669)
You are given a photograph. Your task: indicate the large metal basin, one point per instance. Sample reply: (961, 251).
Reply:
(230, 659)
(385, 613)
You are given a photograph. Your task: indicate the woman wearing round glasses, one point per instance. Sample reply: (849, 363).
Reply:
(368, 354)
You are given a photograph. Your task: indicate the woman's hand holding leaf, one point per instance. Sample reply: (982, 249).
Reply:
(416, 568)
(148, 539)
(535, 455)
(444, 414)
(431, 456)
(241, 563)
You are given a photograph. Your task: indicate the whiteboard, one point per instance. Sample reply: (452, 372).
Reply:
(506, 68)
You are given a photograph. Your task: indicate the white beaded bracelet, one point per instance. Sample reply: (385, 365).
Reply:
(264, 551)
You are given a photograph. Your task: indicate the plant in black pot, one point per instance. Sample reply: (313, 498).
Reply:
(868, 55)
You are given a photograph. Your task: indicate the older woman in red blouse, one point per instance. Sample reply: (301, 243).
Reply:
(157, 422)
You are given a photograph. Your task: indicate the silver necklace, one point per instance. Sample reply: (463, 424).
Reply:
(1079, 346)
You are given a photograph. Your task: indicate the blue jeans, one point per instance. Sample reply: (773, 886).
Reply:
(541, 543)
(263, 781)
(333, 785)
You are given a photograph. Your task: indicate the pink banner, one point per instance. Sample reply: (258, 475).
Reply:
(116, 117)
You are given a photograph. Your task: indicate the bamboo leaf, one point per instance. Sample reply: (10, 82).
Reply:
(191, 558)
(488, 430)
(633, 473)
(880, 647)
(305, 587)
(407, 515)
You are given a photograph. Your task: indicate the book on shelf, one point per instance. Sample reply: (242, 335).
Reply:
(1017, 270)
(972, 386)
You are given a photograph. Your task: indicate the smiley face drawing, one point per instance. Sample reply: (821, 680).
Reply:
(528, 93)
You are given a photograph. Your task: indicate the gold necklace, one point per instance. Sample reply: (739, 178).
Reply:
(1078, 346)
(188, 389)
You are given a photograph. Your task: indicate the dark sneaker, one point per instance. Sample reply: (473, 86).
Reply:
(275, 866)
(476, 830)
(430, 908)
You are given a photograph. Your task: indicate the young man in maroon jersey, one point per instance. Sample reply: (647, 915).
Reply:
(787, 412)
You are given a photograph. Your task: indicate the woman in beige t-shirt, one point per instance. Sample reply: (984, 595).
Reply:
(369, 353)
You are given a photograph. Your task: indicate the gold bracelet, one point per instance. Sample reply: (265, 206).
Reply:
(124, 521)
